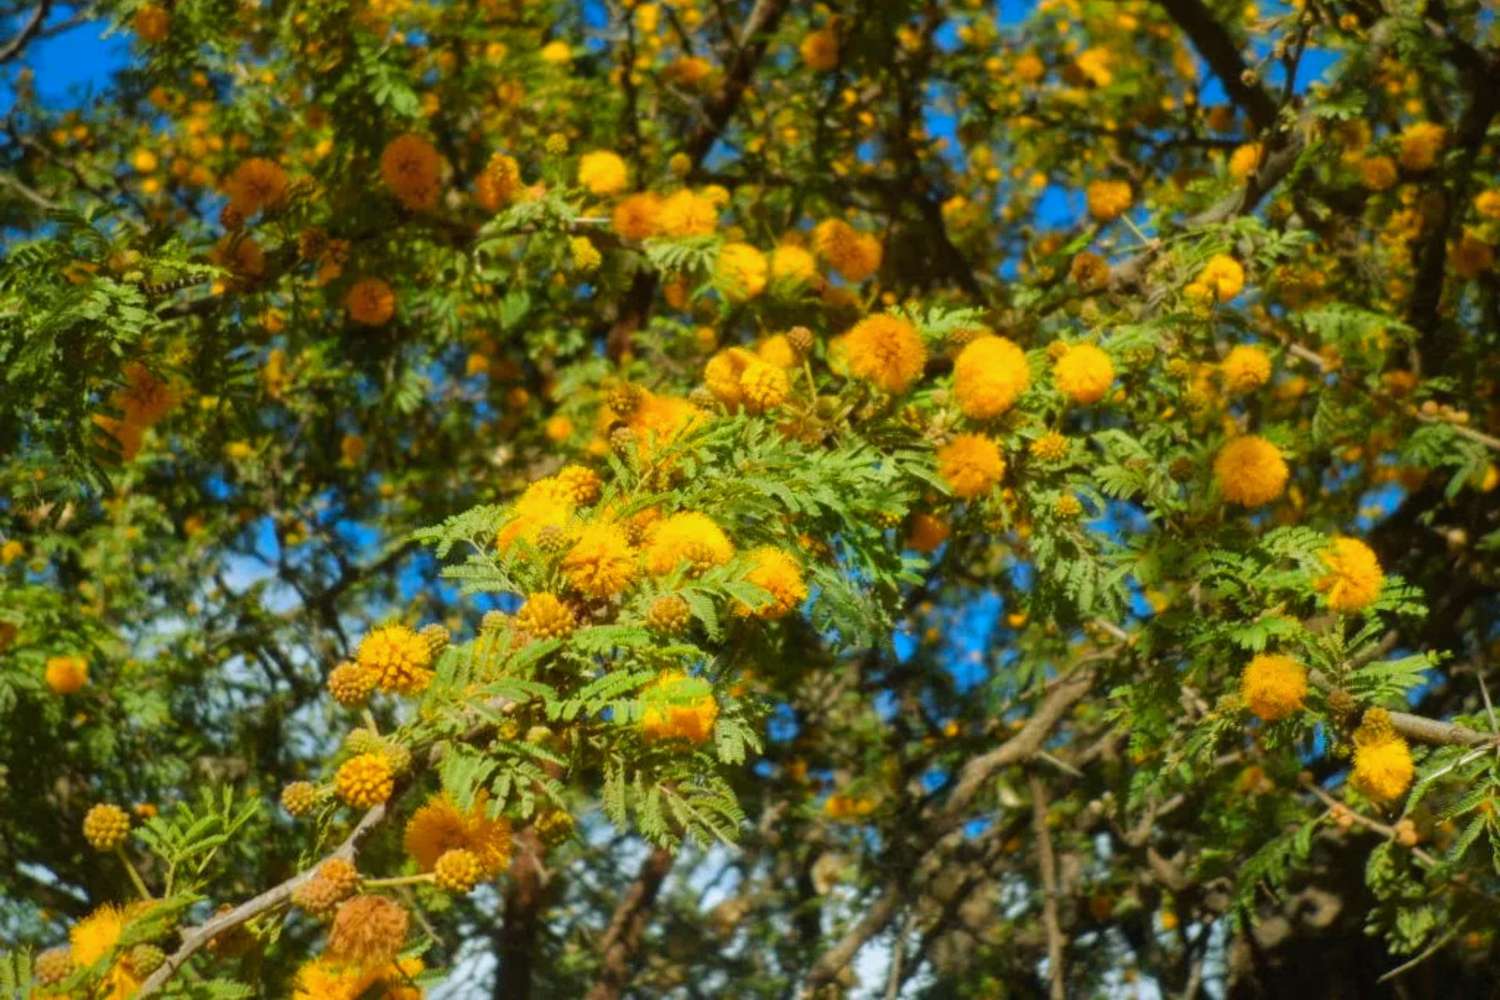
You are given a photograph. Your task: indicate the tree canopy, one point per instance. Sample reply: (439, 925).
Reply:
(526, 498)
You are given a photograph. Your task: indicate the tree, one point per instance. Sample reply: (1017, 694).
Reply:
(750, 499)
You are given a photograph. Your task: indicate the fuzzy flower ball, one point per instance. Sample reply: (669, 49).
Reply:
(1084, 373)
(886, 350)
(1274, 686)
(399, 659)
(688, 537)
(777, 572)
(971, 465)
(546, 617)
(365, 780)
(601, 563)
(412, 168)
(1245, 369)
(602, 172)
(989, 375)
(1354, 575)
(1250, 471)
(678, 707)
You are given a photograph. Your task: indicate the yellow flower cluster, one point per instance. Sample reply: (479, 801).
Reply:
(678, 707)
(971, 465)
(105, 827)
(738, 378)
(398, 659)
(989, 375)
(66, 674)
(1108, 200)
(885, 350)
(688, 538)
(1383, 767)
(1245, 368)
(1083, 373)
(602, 172)
(1274, 686)
(412, 170)
(1250, 471)
(439, 827)
(779, 573)
(365, 780)
(853, 254)
(1354, 575)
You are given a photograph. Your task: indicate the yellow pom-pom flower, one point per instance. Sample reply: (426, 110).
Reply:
(678, 707)
(370, 302)
(688, 537)
(763, 386)
(1245, 369)
(439, 827)
(368, 931)
(777, 572)
(1383, 767)
(1274, 686)
(365, 780)
(886, 350)
(1354, 575)
(412, 169)
(989, 375)
(580, 484)
(1084, 373)
(637, 216)
(1050, 447)
(819, 50)
(1420, 144)
(457, 871)
(299, 797)
(741, 271)
(95, 936)
(722, 375)
(971, 465)
(853, 254)
(256, 183)
(684, 213)
(1245, 160)
(1250, 471)
(1108, 200)
(793, 265)
(546, 617)
(66, 674)
(601, 563)
(399, 659)
(105, 826)
(498, 183)
(1222, 278)
(602, 172)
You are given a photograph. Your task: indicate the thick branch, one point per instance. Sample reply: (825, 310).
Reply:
(1214, 43)
(1056, 974)
(524, 902)
(622, 939)
(205, 932)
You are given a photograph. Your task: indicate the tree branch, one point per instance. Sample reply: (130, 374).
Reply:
(1056, 973)
(193, 940)
(28, 31)
(1065, 693)
(622, 939)
(1214, 43)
